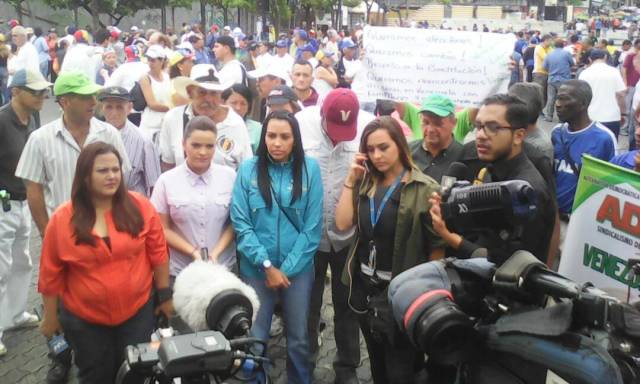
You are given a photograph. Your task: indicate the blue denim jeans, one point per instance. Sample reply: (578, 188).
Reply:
(295, 304)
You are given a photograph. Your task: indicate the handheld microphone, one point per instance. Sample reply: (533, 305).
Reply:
(454, 177)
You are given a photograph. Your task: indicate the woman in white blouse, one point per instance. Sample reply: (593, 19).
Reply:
(193, 202)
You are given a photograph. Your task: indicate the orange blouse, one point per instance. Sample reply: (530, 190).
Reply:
(101, 285)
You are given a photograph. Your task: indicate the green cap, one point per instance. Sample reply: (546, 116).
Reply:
(438, 104)
(74, 82)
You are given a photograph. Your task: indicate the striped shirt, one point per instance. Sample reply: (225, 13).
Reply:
(145, 160)
(50, 155)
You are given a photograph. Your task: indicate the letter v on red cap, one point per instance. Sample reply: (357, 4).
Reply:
(340, 111)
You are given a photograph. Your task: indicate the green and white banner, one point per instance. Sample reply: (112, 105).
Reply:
(604, 230)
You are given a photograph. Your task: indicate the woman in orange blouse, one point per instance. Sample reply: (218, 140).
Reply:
(100, 254)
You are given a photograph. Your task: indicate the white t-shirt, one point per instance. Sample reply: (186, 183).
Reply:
(355, 71)
(263, 61)
(605, 82)
(127, 74)
(285, 62)
(233, 145)
(27, 58)
(83, 58)
(231, 72)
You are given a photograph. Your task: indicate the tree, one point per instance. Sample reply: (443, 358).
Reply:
(315, 8)
(115, 9)
(225, 5)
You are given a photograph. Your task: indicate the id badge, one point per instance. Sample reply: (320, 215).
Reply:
(372, 255)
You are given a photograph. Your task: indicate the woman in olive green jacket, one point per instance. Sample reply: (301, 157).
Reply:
(385, 199)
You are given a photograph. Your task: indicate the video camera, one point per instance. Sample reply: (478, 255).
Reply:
(582, 335)
(496, 206)
(215, 312)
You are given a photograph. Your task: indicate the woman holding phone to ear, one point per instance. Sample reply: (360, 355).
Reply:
(387, 206)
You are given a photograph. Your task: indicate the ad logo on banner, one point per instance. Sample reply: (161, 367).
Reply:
(407, 64)
(604, 231)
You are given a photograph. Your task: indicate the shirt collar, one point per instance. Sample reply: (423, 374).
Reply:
(194, 177)
(94, 126)
(442, 153)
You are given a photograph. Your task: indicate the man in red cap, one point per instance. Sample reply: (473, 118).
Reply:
(331, 134)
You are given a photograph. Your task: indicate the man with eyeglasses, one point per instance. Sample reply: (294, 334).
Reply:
(28, 90)
(204, 90)
(437, 149)
(501, 125)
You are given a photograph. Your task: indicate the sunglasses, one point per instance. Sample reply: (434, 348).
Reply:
(40, 93)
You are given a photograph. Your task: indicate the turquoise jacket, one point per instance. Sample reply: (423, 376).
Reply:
(267, 234)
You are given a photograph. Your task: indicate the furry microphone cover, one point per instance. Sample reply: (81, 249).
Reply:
(200, 282)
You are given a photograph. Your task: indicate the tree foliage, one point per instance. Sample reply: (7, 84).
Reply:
(116, 9)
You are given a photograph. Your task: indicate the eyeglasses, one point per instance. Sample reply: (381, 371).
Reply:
(490, 129)
(35, 93)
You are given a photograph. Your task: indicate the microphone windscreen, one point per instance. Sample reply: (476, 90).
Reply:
(200, 282)
(457, 170)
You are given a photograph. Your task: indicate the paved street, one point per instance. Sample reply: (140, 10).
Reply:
(26, 361)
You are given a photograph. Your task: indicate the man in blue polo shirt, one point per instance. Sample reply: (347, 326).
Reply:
(576, 135)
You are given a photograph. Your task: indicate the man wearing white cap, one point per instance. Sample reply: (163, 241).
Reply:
(27, 56)
(204, 90)
(28, 89)
(269, 78)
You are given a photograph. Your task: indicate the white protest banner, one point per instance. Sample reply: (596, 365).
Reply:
(604, 230)
(407, 64)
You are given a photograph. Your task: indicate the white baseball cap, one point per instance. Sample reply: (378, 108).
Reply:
(271, 70)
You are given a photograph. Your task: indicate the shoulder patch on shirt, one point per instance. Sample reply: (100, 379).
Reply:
(226, 144)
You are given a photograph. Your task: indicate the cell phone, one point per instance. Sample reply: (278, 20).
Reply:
(365, 164)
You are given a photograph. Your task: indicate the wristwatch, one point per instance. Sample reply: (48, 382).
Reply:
(267, 264)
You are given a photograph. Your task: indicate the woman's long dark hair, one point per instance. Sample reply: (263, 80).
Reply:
(297, 156)
(126, 215)
(394, 130)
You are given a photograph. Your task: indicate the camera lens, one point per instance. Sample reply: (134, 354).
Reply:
(445, 333)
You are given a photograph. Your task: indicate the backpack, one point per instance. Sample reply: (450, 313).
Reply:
(137, 97)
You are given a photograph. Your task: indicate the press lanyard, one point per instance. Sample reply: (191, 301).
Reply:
(375, 216)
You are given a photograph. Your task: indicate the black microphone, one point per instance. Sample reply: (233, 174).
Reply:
(456, 172)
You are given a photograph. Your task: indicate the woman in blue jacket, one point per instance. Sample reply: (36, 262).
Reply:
(276, 212)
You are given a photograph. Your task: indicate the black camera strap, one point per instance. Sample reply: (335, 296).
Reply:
(277, 200)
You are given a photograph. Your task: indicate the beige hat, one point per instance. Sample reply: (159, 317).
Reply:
(203, 76)
(19, 30)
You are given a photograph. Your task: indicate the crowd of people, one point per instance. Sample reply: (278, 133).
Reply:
(266, 158)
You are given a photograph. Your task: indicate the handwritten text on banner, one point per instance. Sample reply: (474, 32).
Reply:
(408, 64)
